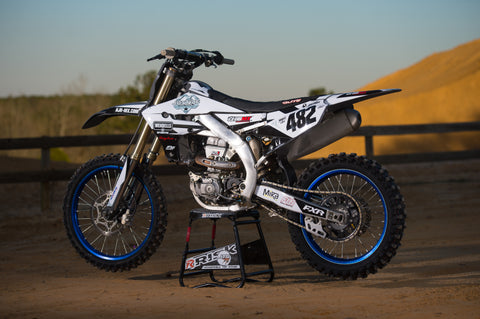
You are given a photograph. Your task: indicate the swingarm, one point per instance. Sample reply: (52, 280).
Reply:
(299, 205)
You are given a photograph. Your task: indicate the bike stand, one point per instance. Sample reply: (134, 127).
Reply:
(232, 257)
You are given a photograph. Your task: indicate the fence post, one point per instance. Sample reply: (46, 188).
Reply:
(45, 185)
(369, 146)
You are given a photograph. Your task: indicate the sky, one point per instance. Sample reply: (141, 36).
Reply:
(282, 49)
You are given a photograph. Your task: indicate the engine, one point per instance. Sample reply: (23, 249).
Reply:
(221, 178)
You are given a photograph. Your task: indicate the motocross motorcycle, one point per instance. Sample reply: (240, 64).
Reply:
(345, 213)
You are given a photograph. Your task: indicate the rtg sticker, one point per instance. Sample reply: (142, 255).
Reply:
(239, 119)
(287, 200)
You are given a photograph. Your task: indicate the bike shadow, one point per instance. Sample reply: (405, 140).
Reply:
(296, 271)
(287, 271)
(165, 276)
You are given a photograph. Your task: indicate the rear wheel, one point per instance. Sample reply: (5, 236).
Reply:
(374, 209)
(132, 236)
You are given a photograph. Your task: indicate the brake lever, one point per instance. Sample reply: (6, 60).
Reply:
(168, 53)
(157, 57)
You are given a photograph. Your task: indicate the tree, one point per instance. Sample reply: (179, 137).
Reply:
(319, 91)
(138, 91)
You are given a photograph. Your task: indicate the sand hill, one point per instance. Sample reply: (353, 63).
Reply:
(442, 88)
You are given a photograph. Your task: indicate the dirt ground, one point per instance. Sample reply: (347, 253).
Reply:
(435, 274)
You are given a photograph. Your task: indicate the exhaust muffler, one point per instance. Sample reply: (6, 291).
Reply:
(343, 123)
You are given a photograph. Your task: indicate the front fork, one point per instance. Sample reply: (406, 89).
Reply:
(131, 162)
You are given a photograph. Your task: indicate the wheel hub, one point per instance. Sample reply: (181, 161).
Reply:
(336, 231)
(106, 226)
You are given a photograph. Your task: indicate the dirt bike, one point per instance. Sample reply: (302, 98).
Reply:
(345, 213)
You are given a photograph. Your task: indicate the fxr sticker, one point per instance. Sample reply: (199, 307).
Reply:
(313, 210)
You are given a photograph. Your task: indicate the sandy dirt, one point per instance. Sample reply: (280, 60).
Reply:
(435, 274)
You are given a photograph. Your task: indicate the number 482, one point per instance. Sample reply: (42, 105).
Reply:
(301, 118)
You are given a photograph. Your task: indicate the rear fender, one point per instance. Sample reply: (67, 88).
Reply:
(130, 109)
(339, 101)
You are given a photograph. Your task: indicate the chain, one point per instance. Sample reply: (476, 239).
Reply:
(302, 189)
(272, 213)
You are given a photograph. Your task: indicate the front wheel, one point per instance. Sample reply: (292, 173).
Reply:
(130, 237)
(375, 212)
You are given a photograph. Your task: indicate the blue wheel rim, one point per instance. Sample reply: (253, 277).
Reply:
(310, 238)
(75, 221)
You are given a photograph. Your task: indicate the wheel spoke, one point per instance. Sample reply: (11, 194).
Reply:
(339, 181)
(103, 245)
(353, 184)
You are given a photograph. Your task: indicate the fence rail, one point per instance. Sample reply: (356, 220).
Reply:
(45, 143)
(370, 131)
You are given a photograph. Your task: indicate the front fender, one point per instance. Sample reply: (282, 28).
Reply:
(130, 109)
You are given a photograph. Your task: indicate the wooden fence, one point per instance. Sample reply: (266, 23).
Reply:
(47, 174)
(370, 131)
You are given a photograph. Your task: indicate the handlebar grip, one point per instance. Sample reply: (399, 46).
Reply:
(169, 53)
(228, 61)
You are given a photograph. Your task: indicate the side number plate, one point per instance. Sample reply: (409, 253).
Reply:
(301, 118)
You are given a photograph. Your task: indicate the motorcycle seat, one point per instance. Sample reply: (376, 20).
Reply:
(257, 107)
(245, 105)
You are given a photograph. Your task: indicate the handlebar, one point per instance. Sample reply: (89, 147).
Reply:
(198, 57)
(228, 61)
